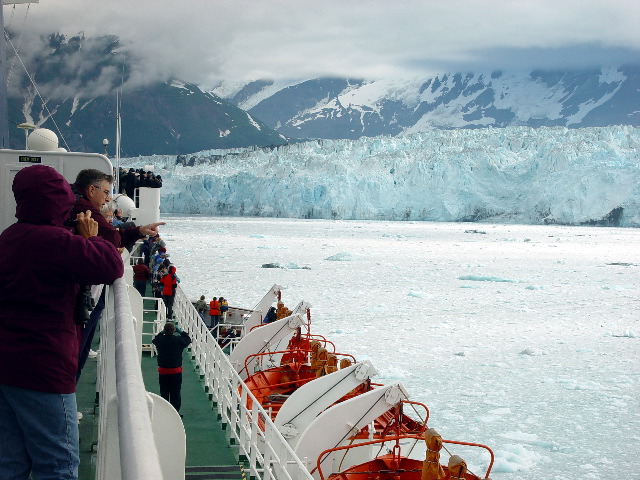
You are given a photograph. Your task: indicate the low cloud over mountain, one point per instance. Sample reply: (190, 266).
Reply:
(78, 77)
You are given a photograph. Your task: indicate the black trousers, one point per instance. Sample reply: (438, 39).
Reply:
(88, 332)
(168, 302)
(170, 386)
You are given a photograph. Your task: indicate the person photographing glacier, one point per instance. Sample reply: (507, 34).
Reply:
(39, 333)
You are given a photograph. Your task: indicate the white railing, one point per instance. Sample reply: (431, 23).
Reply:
(130, 447)
(126, 445)
(250, 427)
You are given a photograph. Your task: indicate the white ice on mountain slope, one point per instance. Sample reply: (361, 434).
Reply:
(524, 94)
(516, 174)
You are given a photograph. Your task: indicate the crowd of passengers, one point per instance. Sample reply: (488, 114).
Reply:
(129, 180)
(154, 267)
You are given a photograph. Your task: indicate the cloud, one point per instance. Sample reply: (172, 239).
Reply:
(208, 40)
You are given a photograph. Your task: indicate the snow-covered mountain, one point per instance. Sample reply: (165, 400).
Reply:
(515, 174)
(347, 108)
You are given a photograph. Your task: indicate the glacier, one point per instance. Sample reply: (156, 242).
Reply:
(548, 175)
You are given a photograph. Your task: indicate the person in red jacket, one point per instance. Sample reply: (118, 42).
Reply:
(38, 327)
(169, 284)
(214, 312)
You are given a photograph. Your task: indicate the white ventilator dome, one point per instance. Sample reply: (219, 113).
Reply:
(125, 204)
(42, 140)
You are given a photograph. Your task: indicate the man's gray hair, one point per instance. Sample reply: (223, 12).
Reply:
(91, 176)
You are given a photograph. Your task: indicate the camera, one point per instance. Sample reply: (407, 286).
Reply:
(84, 305)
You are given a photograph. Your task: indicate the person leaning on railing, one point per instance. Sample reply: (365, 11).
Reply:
(93, 190)
(38, 329)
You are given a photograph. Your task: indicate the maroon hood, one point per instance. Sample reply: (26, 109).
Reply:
(43, 196)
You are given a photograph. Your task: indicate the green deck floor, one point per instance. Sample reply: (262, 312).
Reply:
(207, 442)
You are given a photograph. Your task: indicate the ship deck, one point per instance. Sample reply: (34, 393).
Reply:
(209, 452)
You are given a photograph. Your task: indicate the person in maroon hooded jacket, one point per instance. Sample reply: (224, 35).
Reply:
(93, 190)
(141, 274)
(38, 329)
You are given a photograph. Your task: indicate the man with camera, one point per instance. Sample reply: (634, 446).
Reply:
(38, 328)
(170, 347)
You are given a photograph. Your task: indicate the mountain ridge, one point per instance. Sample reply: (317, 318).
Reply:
(350, 108)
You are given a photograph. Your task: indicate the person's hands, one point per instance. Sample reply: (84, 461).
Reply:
(86, 226)
(151, 229)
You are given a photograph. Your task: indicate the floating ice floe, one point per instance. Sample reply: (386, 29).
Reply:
(481, 278)
(289, 266)
(625, 334)
(295, 266)
(616, 287)
(532, 352)
(514, 458)
(341, 257)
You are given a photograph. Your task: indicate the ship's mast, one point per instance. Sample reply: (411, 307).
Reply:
(4, 128)
(4, 122)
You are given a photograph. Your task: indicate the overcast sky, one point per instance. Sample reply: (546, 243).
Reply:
(206, 40)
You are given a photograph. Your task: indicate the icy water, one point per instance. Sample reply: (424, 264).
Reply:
(523, 338)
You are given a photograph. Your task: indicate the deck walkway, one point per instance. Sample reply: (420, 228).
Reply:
(209, 453)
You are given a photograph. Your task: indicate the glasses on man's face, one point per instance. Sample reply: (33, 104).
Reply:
(106, 192)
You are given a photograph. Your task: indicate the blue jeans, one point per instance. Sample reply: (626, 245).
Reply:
(39, 435)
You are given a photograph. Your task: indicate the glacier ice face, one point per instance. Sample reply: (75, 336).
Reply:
(515, 174)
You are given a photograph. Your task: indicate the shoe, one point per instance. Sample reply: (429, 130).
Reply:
(79, 416)
(93, 353)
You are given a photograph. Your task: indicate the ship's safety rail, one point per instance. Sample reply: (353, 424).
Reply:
(233, 326)
(140, 435)
(259, 441)
(126, 445)
(155, 316)
(154, 312)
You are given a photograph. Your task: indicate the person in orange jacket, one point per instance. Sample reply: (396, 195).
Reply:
(214, 312)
